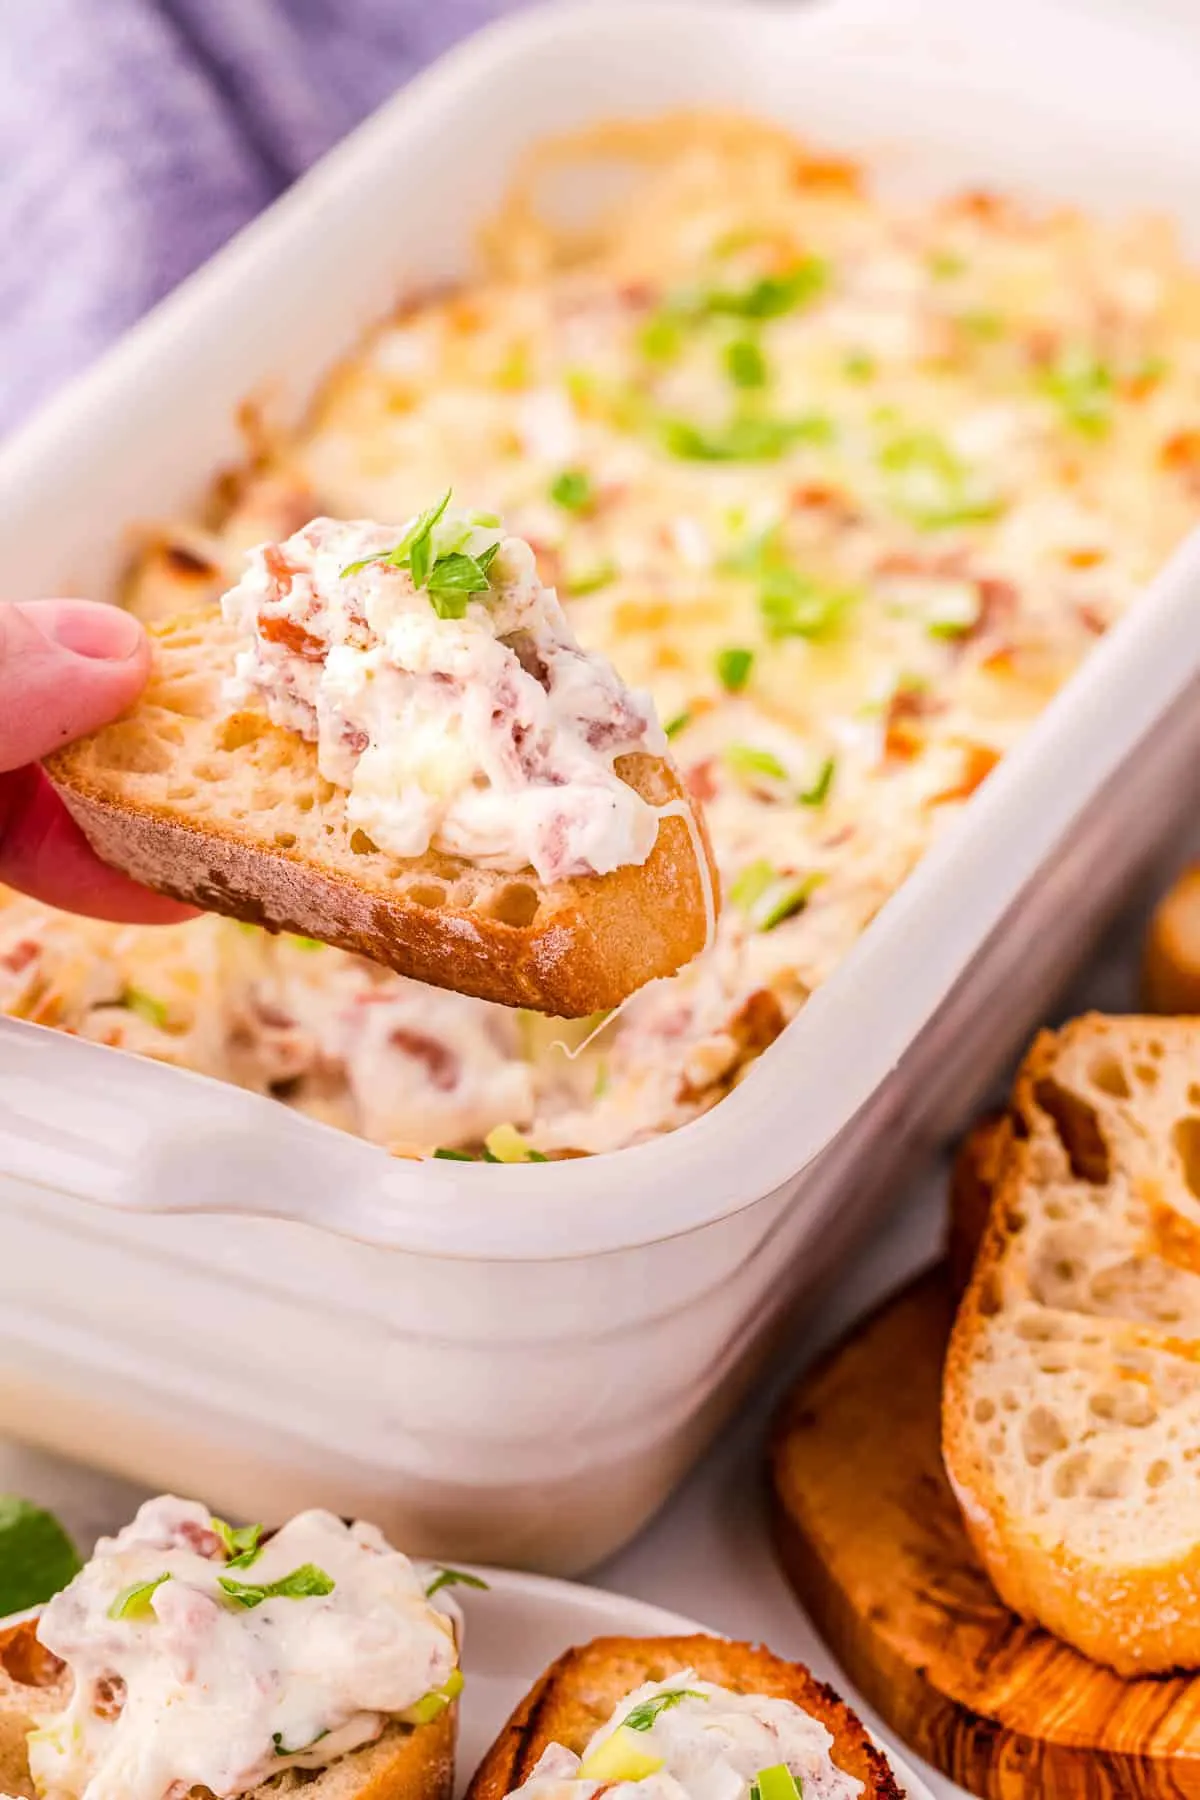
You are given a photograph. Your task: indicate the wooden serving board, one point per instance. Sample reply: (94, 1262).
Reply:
(870, 1537)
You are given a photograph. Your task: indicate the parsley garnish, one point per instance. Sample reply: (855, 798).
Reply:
(134, 1602)
(642, 1717)
(242, 1545)
(733, 669)
(446, 1577)
(572, 490)
(745, 364)
(303, 1583)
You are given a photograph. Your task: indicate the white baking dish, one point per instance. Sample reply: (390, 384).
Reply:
(516, 1363)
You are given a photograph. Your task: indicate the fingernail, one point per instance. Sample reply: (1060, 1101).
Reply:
(88, 628)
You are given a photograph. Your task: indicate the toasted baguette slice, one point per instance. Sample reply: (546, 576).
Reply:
(580, 1691)
(406, 1763)
(230, 813)
(977, 1168)
(1171, 960)
(1071, 1402)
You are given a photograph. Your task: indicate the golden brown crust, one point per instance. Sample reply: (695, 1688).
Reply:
(406, 1763)
(280, 853)
(579, 1691)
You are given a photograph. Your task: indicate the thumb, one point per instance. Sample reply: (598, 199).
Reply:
(66, 667)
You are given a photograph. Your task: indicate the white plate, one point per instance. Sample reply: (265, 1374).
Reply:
(524, 1621)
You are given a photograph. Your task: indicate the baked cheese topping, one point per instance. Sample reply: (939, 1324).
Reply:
(850, 484)
(686, 1739)
(204, 1657)
(446, 692)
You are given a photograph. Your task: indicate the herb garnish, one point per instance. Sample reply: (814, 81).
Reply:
(745, 760)
(303, 1583)
(1081, 386)
(768, 897)
(155, 1012)
(447, 1577)
(930, 485)
(733, 669)
(776, 1783)
(674, 726)
(572, 490)
(818, 793)
(134, 1602)
(745, 364)
(590, 581)
(242, 1543)
(771, 296)
(642, 1717)
(748, 437)
(416, 538)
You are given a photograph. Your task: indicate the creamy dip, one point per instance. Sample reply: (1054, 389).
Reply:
(695, 1741)
(203, 1658)
(446, 693)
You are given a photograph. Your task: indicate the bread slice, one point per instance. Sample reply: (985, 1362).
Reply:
(1171, 960)
(1071, 1401)
(580, 1691)
(406, 1763)
(229, 812)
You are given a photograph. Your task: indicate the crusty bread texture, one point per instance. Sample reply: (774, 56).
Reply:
(229, 812)
(1071, 1402)
(406, 1763)
(580, 1691)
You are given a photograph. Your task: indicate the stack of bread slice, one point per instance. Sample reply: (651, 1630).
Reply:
(1071, 1415)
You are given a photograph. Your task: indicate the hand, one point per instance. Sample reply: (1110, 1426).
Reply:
(66, 667)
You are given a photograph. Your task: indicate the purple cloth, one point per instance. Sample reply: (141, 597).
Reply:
(137, 135)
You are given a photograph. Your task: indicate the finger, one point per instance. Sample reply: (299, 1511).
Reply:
(44, 854)
(66, 667)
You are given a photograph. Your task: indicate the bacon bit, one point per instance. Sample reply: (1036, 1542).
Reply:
(1042, 345)
(1091, 618)
(983, 204)
(277, 630)
(29, 1662)
(279, 568)
(698, 780)
(463, 313)
(978, 762)
(637, 293)
(757, 1022)
(1083, 558)
(1002, 661)
(1141, 385)
(948, 564)
(440, 1063)
(836, 174)
(998, 604)
(819, 496)
(20, 956)
(902, 740)
(108, 1697)
(1182, 453)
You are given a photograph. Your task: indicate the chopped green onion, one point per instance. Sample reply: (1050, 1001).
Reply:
(733, 669)
(304, 943)
(297, 1749)
(859, 365)
(985, 326)
(242, 1545)
(747, 438)
(572, 490)
(793, 604)
(1081, 386)
(414, 546)
(155, 1012)
(432, 1705)
(642, 1717)
(778, 1783)
(134, 1602)
(946, 264)
(505, 1144)
(953, 613)
(453, 579)
(453, 1156)
(590, 581)
(661, 337)
(447, 1577)
(745, 760)
(674, 726)
(303, 1583)
(931, 485)
(768, 897)
(818, 793)
(745, 364)
(603, 1080)
(771, 296)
